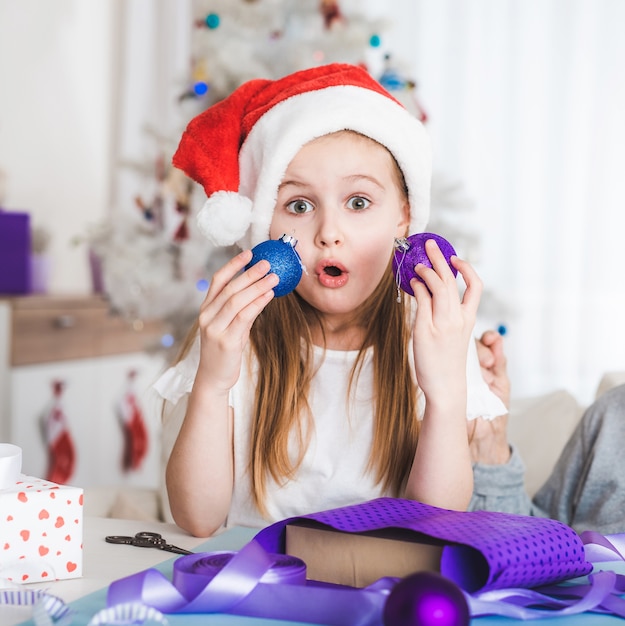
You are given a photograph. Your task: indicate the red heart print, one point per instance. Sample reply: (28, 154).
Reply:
(25, 534)
(71, 566)
(59, 522)
(43, 550)
(22, 497)
(43, 514)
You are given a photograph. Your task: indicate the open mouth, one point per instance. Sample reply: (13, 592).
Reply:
(332, 274)
(332, 270)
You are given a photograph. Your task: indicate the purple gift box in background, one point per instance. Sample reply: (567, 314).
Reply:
(14, 252)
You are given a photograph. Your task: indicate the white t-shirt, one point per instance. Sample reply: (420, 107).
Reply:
(333, 472)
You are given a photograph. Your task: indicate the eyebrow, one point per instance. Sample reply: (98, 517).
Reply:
(354, 178)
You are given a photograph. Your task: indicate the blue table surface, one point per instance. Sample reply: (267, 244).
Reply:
(84, 608)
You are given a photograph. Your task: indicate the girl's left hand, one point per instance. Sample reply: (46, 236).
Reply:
(444, 324)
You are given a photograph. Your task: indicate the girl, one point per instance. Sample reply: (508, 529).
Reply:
(284, 406)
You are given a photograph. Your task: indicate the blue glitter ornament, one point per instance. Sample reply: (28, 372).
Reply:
(410, 252)
(284, 261)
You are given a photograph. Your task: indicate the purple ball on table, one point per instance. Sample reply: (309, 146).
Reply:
(426, 599)
(411, 251)
(284, 261)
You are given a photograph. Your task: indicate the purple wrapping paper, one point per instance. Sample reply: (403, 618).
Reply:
(501, 554)
(14, 252)
(482, 550)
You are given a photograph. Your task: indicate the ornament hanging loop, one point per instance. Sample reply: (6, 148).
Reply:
(401, 245)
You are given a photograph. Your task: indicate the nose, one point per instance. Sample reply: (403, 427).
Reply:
(329, 231)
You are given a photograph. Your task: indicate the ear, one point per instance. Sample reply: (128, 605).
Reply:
(404, 221)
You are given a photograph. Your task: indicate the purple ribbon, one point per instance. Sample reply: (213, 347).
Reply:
(254, 583)
(507, 565)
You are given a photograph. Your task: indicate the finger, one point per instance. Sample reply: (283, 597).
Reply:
(240, 298)
(473, 292)
(438, 260)
(241, 323)
(229, 284)
(489, 337)
(497, 348)
(423, 298)
(484, 354)
(227, 272)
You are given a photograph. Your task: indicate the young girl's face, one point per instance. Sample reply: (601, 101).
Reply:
(342, 199)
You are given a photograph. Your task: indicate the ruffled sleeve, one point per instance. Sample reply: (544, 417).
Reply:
(177, 381)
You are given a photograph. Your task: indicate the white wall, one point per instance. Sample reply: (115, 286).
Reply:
(56, 71)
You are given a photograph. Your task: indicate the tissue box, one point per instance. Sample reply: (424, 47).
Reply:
(360, 559)
(14, 252)
(41, 531)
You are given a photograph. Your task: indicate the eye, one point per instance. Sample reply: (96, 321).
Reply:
(299, 206)
(358, 203)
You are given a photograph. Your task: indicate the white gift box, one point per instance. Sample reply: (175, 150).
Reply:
(41, 531)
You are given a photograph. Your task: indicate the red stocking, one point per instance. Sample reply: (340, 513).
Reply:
(134, 429)
(61, 451)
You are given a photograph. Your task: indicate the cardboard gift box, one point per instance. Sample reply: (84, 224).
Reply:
(360, 559)
(41, 531)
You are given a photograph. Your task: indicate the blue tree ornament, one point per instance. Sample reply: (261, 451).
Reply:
(284, 261)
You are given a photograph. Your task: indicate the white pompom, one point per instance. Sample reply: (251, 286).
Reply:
(225, 217)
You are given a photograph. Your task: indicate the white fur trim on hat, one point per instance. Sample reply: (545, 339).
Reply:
(225, 217)
(278, 135)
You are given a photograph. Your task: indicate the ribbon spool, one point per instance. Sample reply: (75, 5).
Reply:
(10, 465)
(192, 572)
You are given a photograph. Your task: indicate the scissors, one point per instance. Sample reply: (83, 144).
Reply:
(146, 539)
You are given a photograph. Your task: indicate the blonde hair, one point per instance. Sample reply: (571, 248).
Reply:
(285, 373)
(281, 342)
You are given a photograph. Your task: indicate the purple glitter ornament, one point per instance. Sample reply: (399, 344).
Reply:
(284, 261)
(426, 599)
(411, 251)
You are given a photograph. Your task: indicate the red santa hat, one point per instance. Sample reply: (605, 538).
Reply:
(239, 149)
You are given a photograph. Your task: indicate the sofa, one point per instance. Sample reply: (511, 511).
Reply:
(540, 427)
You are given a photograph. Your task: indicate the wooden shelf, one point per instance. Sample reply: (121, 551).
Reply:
(58, 328)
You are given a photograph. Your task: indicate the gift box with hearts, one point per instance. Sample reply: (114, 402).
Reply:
(41, 531)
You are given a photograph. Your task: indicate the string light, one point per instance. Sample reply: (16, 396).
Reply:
(212, 21)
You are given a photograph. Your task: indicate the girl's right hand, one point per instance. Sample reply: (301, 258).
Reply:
(234, 300)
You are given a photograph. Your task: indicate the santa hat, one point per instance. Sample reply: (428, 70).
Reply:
(239, 149)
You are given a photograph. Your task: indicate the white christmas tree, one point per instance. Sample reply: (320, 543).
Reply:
(153, 257)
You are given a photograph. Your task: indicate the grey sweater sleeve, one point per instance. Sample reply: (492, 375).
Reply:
(501, 488)
(586, 489)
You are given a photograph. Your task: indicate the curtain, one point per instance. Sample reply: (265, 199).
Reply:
(152, 56)
(526, 102)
